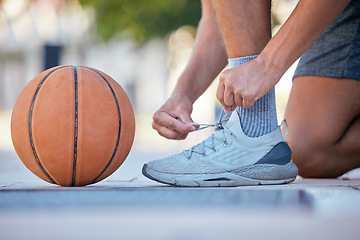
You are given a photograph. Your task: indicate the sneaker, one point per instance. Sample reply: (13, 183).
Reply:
(227, 158)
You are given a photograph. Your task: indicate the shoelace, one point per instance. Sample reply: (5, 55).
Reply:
(287, 127)
(210, 142)
(223, 119)
(219, 126)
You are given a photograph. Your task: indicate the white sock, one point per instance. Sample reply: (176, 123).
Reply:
(261, 118)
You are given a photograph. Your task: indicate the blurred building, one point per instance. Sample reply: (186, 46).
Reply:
(32, 32)
(38, 34)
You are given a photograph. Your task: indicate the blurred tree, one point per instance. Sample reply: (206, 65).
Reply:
(143, 19)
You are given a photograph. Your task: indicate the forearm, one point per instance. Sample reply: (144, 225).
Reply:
(309, 19)
(208, 59)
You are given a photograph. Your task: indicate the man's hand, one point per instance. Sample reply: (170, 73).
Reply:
(243, 85)
(173, 119)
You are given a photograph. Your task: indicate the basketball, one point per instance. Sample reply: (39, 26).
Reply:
(72, 125)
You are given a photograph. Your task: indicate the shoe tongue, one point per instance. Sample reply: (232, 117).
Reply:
(234, 124)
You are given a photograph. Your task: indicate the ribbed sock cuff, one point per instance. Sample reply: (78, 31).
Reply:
(261, 118)
(234, 62)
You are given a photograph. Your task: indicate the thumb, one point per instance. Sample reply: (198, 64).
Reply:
(186, 119)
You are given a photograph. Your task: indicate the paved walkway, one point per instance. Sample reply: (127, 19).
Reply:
(128, 206)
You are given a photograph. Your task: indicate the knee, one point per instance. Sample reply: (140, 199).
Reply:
(309, 164)
(311, 159)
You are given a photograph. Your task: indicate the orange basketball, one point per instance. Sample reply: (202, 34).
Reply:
(72, 125)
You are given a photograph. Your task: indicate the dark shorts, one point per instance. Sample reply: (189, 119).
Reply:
(336, 53)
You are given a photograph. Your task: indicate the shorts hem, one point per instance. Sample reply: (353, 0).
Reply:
(317, 74)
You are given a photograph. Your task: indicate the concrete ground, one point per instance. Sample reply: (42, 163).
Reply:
(128, 206)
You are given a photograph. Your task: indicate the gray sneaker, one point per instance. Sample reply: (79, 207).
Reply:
(227, 158)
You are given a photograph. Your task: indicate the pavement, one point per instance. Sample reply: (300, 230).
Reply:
(127, 205)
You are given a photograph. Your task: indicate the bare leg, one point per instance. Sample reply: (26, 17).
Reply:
(246, 29)
(324, 119)
(245, 25)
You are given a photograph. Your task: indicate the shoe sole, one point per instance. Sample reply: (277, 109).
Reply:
(225, 179)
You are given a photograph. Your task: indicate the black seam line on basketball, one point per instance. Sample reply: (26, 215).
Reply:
(119, 130)
(30, 124)
(76, 122)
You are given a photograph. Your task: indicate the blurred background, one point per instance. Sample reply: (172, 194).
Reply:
(142, 44)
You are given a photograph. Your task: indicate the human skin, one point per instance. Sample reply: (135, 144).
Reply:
(209, 57)
(324, 119)
(325, 128)
(243, 85)
(323, 113)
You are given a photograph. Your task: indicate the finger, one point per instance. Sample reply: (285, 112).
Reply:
(169, 133)
(172, 122)
(248, 103)
(220, 93)
(233, 107)
(228, 98)
(227, 91)
(188, 120)
(220, 96)
(238, 100)
(185, 118)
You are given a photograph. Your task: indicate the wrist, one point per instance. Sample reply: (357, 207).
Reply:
(182, 97)
(186, 88)
(272, 65)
